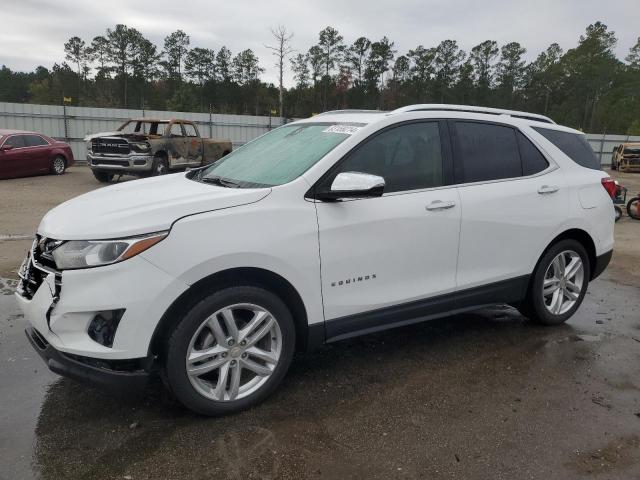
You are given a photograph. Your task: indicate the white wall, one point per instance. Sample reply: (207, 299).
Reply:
(80, 121)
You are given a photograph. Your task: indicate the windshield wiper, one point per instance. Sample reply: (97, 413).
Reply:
(222, 182)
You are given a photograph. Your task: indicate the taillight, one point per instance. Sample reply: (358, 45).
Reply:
(610, 186)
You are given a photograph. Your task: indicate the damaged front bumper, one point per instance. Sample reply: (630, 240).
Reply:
(130, 375)
(101, 317)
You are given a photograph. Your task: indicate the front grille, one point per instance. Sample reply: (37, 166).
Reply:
(117, 146)
(38, 264)
(102, 161)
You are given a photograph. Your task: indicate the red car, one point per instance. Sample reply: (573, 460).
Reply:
(28, 153)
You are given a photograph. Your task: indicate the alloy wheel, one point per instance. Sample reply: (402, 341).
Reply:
(234, 352)
(58, 165)
(563, 282)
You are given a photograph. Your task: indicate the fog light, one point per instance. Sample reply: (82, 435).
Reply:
(139, 162)
(102, 328)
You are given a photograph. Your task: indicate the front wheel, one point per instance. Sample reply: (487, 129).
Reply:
(102, 177)
(230, 351)
(58, 165)
(618, 212)
(633, 208)
(559, 283)
(160, 166)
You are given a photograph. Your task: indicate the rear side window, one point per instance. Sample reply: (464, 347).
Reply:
(532, 160)
(190, 129)
(34, 141)
(573, 146)
(487, 152)
(176, 130)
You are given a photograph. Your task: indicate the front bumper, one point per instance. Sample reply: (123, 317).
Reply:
(63, 317)
(132, 375)
(127, 163)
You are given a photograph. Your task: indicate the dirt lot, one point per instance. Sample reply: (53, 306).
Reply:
(482, 395)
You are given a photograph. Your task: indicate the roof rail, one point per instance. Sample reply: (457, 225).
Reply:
(442, 107)
(339, 112)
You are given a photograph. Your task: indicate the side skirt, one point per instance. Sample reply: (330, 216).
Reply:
(506, 291)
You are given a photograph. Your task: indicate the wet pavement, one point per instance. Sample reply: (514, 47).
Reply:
(482, 395)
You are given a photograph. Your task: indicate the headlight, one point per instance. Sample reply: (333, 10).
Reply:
(140, 147)
(89, 253)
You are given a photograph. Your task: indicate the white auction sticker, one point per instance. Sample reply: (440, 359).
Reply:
(344, 129)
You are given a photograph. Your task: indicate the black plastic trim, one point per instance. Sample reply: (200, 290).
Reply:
(507, 291)
(66, 366)
(602, 261)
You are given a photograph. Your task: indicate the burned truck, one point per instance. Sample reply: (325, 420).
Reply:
(146, 146)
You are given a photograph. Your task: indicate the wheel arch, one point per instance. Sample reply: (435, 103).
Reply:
(235, 276)
(585, 239)
(59, 153)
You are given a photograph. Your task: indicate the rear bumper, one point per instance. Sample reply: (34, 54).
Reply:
(92, 371)
(601, 264)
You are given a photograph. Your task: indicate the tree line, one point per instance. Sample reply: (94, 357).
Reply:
(585, 87)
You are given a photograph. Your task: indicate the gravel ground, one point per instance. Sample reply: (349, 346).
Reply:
(482, 395)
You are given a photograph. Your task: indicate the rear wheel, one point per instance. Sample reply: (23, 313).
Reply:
(559, 283)
(633, 208)
(230, 351)
(58, 165)
(103, 177)
(160, 166)
(618, 212)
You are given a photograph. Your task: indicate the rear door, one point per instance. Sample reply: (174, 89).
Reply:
(194, 145)
(513, 202)
(178, 149)
(39, 153)
(398, 249)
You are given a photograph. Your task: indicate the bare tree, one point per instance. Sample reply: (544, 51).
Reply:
(281, 51)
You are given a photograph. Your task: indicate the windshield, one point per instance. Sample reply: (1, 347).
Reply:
(143, 127)
(279, 156)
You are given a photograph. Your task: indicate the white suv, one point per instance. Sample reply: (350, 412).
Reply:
(338, 225)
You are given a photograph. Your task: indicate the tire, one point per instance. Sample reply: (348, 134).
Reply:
(160, 166)
(633, 208)
(618, 212)
(102, 177)
(205, 327)
(58, 165)
(544, 309)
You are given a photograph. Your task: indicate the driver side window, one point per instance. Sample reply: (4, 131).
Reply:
(16, 141)
(408, 157)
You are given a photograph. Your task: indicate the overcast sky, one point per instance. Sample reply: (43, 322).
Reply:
(33, 31)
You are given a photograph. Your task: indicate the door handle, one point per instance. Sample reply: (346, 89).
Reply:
(440, 205)
(545, 189)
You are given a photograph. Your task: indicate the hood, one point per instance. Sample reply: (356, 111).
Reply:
(139, 206)
(100, 134)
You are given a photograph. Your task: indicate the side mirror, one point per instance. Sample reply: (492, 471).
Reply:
(354, 185)
(6, 147)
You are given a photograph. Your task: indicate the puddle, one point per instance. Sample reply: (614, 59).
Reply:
(8, 286)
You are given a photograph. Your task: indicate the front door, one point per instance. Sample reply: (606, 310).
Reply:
(379, 253)
(15, 161)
